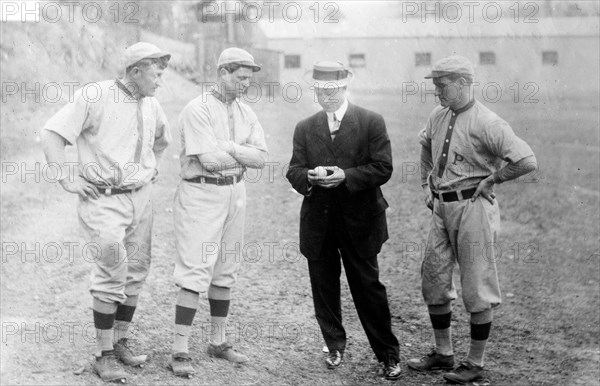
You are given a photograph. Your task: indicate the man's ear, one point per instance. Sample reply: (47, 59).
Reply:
(135, 72)
(223, 72)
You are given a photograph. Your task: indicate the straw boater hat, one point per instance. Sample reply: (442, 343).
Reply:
(326, 74)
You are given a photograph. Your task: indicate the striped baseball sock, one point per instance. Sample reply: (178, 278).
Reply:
(440, 316)
(481, 324)
(219, 300)
(104, 320)
(185, 310)
(124, 316)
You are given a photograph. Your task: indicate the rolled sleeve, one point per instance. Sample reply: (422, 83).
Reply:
(196, 128)
(70, 120)
(504, 143)
(162, 137)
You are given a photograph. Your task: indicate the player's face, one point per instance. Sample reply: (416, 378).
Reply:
(330, 98)
(236, 83)
(448, 92)
(148, 79)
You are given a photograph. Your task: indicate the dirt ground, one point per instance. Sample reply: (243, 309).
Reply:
(545, 333)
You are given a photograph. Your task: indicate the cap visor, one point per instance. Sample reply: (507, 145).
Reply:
(158, 55)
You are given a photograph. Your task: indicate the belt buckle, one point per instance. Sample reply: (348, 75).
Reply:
(459, 195)
(107, 191)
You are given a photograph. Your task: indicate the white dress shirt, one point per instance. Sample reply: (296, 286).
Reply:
(339, 115)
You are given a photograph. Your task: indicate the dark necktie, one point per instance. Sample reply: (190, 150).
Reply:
(335, 128)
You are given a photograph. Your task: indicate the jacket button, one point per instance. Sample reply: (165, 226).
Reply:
(326, 211)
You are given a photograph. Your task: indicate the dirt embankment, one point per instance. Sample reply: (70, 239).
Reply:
(44, 63)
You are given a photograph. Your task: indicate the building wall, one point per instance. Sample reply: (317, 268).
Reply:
(390, 63)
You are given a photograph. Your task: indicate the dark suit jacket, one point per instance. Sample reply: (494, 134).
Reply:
(362, 149)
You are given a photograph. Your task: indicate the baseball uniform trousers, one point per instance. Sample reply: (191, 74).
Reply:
(118, 234)
(464, 232)
(209, 233)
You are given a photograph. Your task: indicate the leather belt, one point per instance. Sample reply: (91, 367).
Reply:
(113, 191)
(456, 195)
(229, 180)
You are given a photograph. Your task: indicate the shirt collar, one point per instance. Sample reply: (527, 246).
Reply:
(220, 96)
(124, 88)
(339, 113)
(465, 108)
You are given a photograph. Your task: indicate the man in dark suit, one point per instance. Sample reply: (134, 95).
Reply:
(342, 155)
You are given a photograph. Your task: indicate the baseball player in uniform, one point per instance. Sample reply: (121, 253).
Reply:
(465, 150)
(220, 138)
(121, 132)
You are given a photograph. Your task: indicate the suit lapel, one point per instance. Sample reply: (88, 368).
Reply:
(347, 128)
(322, 130)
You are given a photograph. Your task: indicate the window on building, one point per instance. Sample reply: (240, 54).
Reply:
(487, 58)
(550, 57)
(423, 59)
(292, 61)
(357, 60)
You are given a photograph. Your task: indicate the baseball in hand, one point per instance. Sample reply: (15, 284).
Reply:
(322, 172)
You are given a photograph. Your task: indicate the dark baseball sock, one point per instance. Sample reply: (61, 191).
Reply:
(124, 317)
(481, 325)
(104, 320)
(185, 311)
(440, 316)
(219, 301)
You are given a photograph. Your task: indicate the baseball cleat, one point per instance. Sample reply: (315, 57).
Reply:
(181, 366)
(431, 362)
(392, 370)
(124, 353)
(334, 359)
(466, 372)
(225, 351)
(109, 369)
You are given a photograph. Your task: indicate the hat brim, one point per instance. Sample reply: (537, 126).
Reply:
(160, 55)
(439, 74)
(255, 67)
(157, 55)
(315, 83)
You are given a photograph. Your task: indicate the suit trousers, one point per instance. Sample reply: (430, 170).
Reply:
(368, 293)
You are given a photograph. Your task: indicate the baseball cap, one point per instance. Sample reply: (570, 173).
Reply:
(450, 65)
(238, 56)
(142, 50)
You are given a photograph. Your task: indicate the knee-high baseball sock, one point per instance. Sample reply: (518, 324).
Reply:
(481, 324)
(124, 316)
(104, 320)
(219, 300)
(185, 310)
(440, 316)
